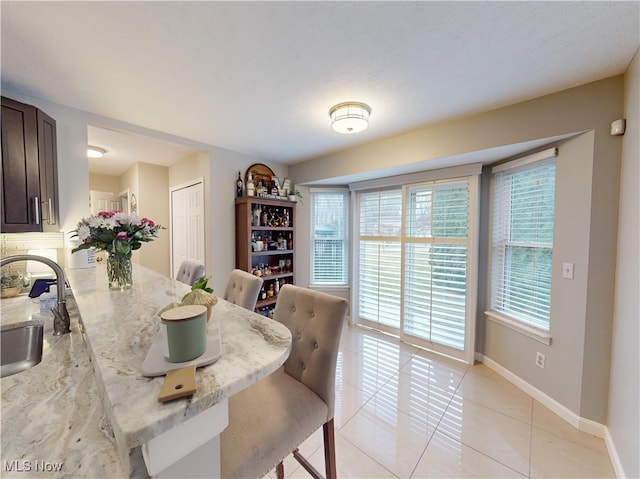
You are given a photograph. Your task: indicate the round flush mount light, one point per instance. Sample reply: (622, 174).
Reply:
(350, 117)
(95, 152)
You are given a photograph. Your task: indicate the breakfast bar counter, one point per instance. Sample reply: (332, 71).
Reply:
(118, 327)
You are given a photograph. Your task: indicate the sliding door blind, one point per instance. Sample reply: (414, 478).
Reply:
(329, 216)
(522, 243)
(380, 218)
(435, 262)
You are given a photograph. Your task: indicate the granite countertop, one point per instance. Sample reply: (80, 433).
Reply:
(117, 328)
(52, 417)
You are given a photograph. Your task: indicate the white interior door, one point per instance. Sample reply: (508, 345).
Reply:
(103, 201)
(187, 224)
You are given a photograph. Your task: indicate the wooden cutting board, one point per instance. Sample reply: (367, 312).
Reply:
(178, 383)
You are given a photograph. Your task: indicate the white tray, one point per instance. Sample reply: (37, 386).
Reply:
(155, 364)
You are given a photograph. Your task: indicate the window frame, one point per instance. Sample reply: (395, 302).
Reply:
(497, 265)
(313, 280)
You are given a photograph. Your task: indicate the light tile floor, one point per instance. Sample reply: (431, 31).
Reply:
(403, 412)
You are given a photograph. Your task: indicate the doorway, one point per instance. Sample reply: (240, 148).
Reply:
(187, 224)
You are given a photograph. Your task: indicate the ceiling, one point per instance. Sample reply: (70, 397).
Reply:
(259, 77)
(125, 149)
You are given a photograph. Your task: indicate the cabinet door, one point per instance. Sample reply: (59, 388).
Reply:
(20, 198)
(48, 162)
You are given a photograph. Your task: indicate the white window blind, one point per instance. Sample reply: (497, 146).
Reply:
(435, 262)
(329, 219)
(380, 220)
(522, 242)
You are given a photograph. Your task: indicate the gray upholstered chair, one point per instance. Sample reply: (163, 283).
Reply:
(189, 271)
(270, 419)
(243, 289)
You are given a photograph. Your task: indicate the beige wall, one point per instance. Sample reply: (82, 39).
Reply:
(624, 391)
(150, 184)
(575, 110)
(129, 180)
(577, 371)
(562, 378)
(104, 183)
(153, 203)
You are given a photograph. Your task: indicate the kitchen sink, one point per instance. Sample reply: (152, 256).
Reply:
(20, 348)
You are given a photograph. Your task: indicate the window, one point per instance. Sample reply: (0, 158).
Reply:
(329, 217)
(380, 257)
(435, 262)
(522, 239)
(416, 266)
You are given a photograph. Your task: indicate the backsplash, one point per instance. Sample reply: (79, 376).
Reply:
(20, 243)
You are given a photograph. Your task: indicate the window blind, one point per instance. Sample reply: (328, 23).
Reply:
(329, 217)
(435, 262)
(522, 241)
(379, 290)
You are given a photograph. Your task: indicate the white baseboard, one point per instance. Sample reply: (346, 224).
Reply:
(613, 456)
(580, 423)
(565, 413)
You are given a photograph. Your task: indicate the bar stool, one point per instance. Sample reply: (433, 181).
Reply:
(243, 289)
(189, 271)
(271, 418)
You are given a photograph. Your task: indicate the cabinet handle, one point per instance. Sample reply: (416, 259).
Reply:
(51, 220)
(36, 209)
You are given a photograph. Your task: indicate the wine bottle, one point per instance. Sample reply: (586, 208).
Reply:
(239, 187)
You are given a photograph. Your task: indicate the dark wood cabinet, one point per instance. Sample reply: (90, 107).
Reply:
(264, 244)
(29, 179)
(48, 163)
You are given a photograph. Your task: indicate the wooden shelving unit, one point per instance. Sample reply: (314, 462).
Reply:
(274, 260)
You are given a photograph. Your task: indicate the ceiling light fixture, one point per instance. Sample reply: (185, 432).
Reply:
(350, 117)
(95, 152)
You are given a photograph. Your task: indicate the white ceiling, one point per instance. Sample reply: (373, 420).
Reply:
(125, 149)
(260, 77)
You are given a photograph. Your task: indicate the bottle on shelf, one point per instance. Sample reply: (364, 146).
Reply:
(264, 243)
(239, 187)
(257, 215)
(251, 187)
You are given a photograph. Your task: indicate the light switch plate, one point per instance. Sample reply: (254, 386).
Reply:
(567, 270)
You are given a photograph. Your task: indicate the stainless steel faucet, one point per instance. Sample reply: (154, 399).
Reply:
(61, 319)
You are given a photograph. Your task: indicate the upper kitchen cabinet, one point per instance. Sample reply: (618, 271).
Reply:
(29, 199)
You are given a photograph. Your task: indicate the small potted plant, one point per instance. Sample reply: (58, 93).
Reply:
(294, 195)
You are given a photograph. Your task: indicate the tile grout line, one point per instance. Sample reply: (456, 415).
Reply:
(435, 428)
(471, 447)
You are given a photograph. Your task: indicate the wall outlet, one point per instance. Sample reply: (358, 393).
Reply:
(540, 359)
(567, 270)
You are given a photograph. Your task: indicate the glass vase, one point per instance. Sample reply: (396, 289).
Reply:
(119, 272)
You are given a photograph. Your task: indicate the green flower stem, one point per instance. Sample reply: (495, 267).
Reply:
(119, 271)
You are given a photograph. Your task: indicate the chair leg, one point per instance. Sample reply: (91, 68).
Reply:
(329, 454)
(280, 471)
(329, 450)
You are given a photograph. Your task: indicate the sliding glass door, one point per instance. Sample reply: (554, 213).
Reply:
(416, 263)
(380, 258)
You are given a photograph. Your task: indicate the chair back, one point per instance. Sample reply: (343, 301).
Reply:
(315, 320)
(243, 289)
(189, 271)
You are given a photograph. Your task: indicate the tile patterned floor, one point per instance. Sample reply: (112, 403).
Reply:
(403, 412)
